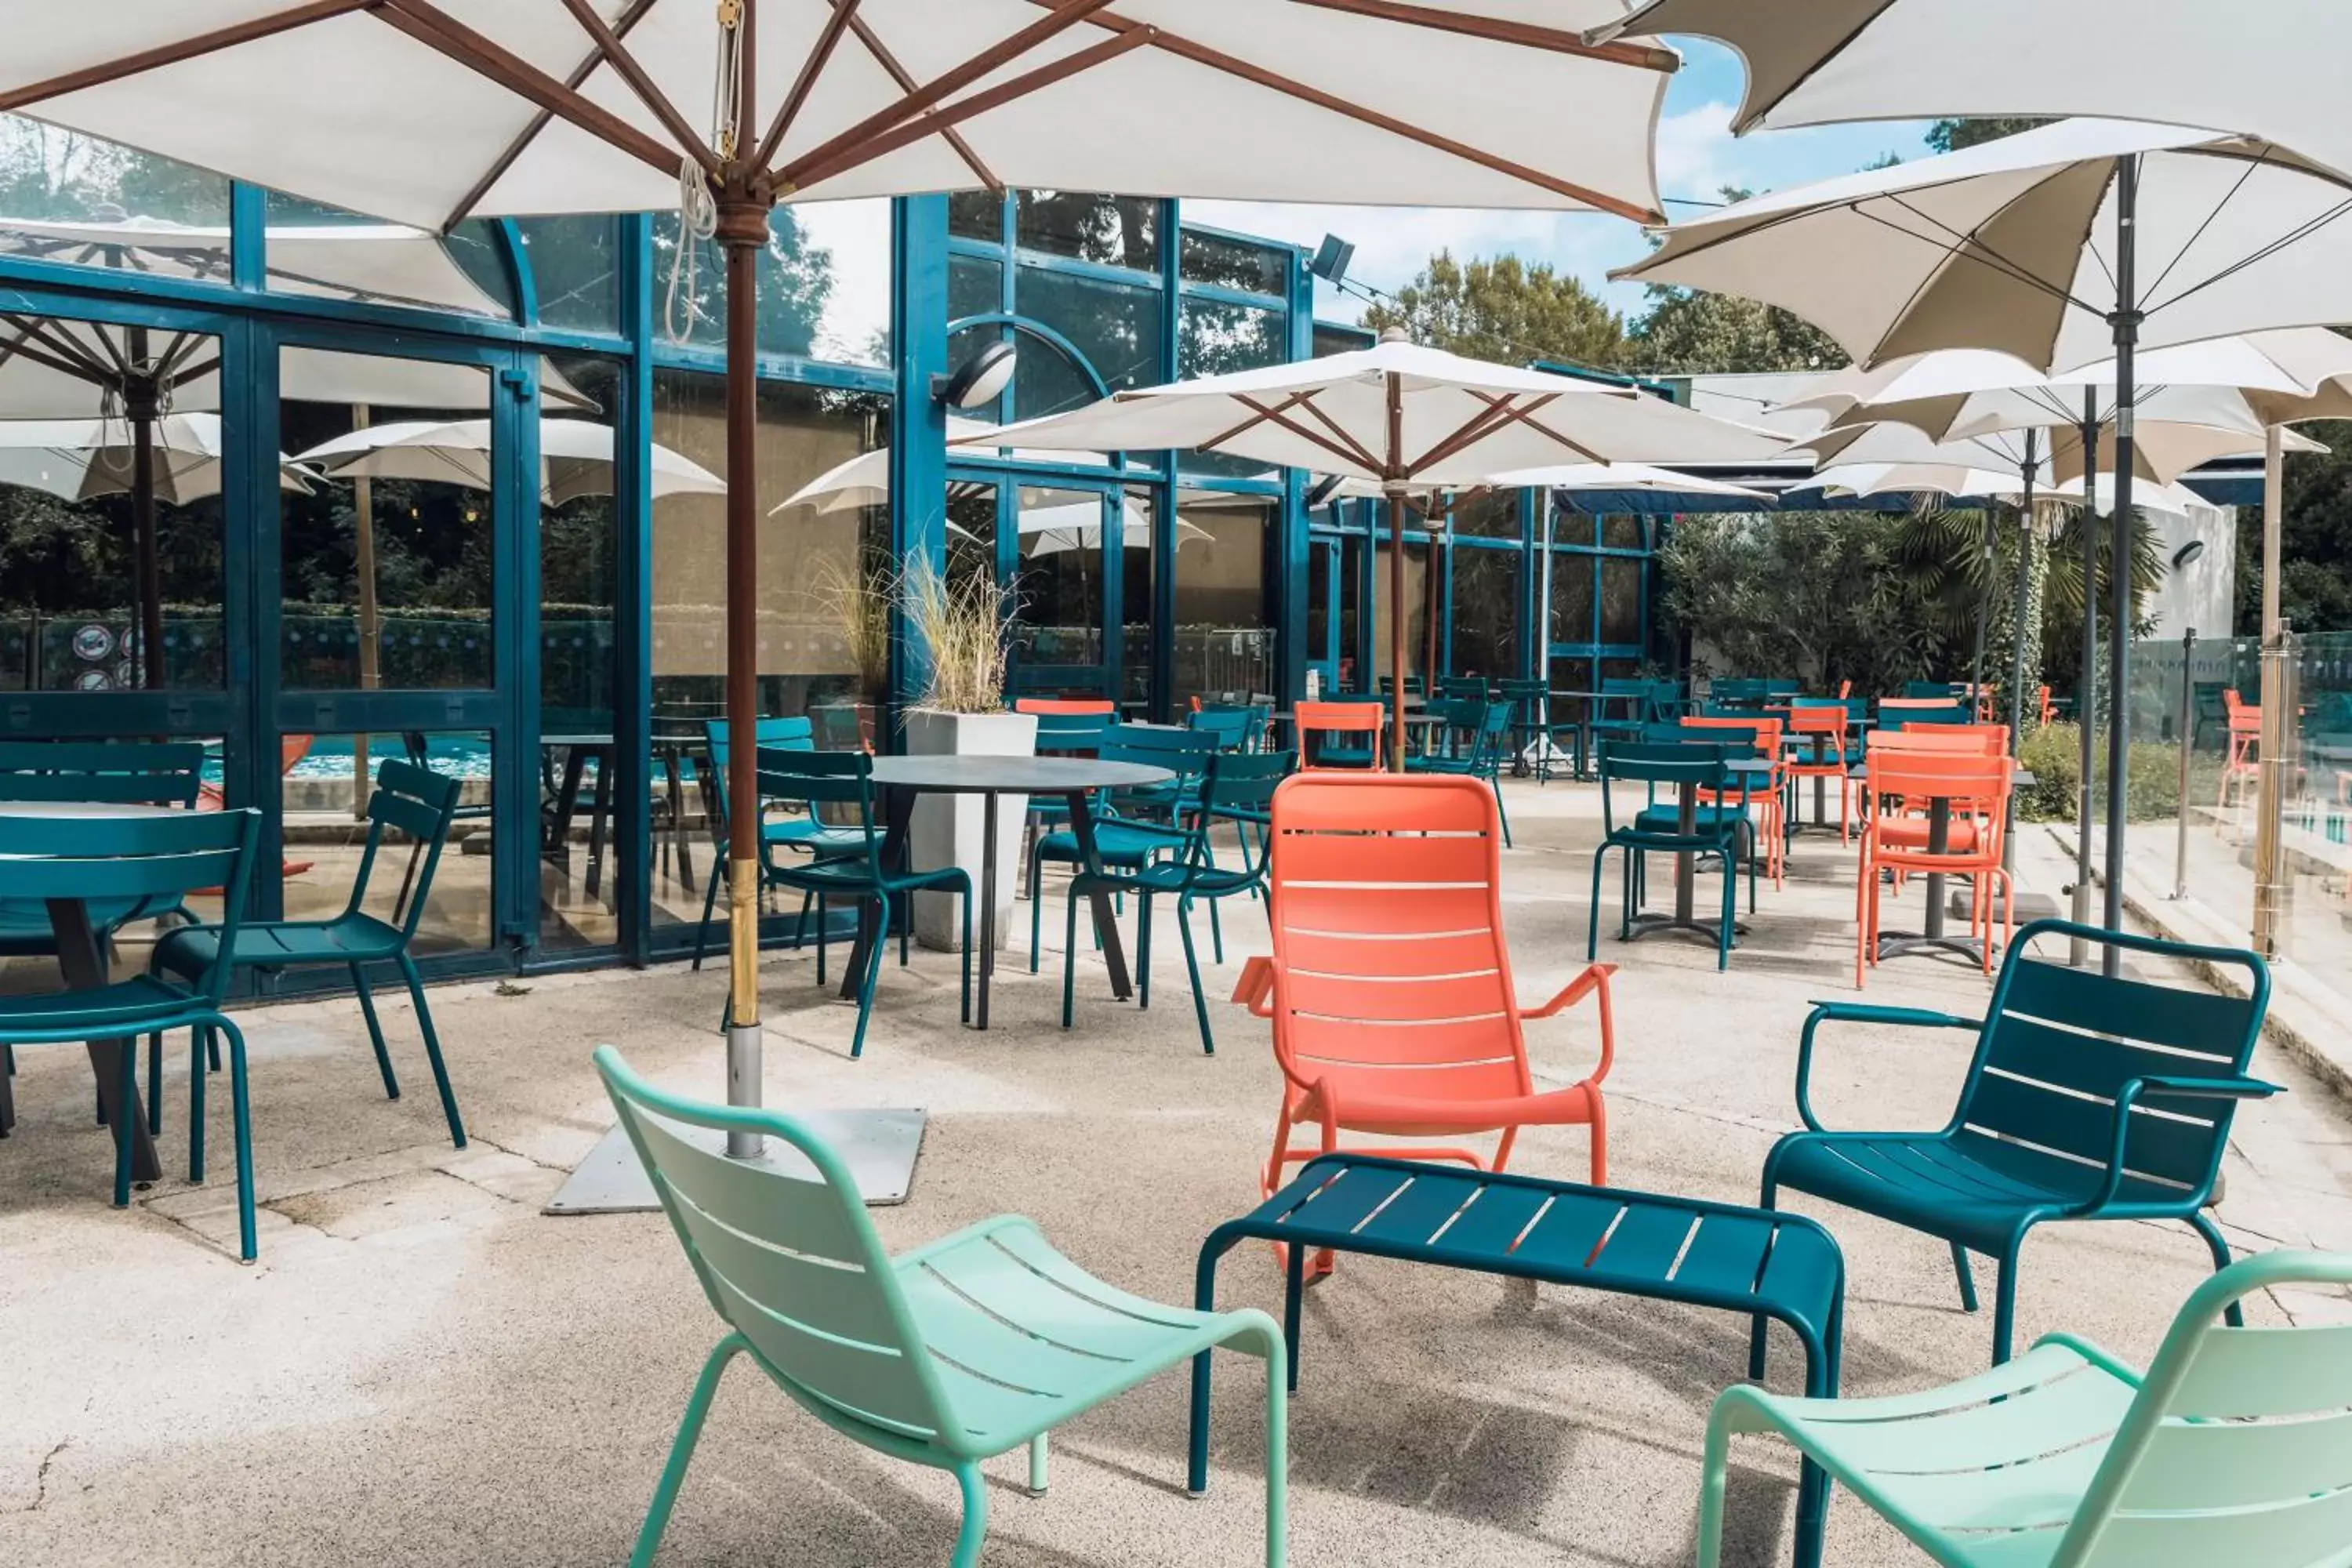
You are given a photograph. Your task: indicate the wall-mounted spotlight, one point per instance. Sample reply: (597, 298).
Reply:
(2187, 554)
(1319, 495)
(1331, 258)
(979, 380)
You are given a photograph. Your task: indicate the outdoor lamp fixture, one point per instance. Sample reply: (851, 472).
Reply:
(979, 380)
(1331, 258)
(1319, 495)
(2187, 554)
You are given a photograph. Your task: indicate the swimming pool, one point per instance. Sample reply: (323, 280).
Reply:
(330, 757)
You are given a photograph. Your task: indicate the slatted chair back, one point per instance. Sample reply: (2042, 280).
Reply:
(2062, 1046)
(1762, 734)
(769, 734)
(1390, 976)
(1233, 725)
(1063, 734)
(1239, 788)
(1064, 705)
(835, 727)
(1944, 740)
(1991, 737)
(841, 781)
(1494, 735)
(1827, 723)
(119, 772)
(152, 862)
(2237, 1447)
(1702, 766)
(1365, 717)
(791, 1263)
(1941, 692)
(420, 805)
(1894, 711)
(1184, 752)
(1476, 688)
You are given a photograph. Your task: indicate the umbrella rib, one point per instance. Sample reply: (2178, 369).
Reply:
(805, 82)
(1968, 245)
(1526, 34)
(1587, 453)
(933, 121)
(857, 138)
(179, 49)
(1277, 416)
(2312, 226)
(2247, 172)
(439, 31)
(905, 81)
(1751, 117)
(15, 349)
(1341, 434)
(1202, 55)
(1261, 414)
(516, 147)
(1492, 414)
(625, 66)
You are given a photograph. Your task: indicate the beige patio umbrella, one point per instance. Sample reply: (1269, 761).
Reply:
(566, 106)
(1407, 419)
(576, 458)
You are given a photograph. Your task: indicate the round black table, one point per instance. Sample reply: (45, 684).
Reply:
(1075, 779)
(82, 962)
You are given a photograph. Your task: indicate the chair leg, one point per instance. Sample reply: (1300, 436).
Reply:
(1968, 1278)
(242, 1126)
(1496, 784)
(1192, 968)
(1037, 1478)
(975, 1517)
(199, 1043)
(710, 906)
(433, 1050)
(873, 975)
(1593, 926)
(1715, 1470)
(126, 1097)
(375, 1034)
(1217, 931)
(681, 1450)
(2220, 1246)
(1069, 953)
(155, 1082)
(1277, 1453)
(2004, 1302)
(823, 920)
(800, 923)
(212, 1052)
(1036, 905)
(967, 951)
(1143, 951)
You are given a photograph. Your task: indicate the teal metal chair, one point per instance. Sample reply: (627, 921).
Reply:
(1716, 831)
(2089, 1097)
(1480, 733)
(1060, 735)
(121, 773)
(973, 1345)
(1237, 788)
(1133, 827)
(1346, 754)
(409, 800)
(147, 858)
(798, 829)
(846, 780)
(1237, 726)
(2234, 1447)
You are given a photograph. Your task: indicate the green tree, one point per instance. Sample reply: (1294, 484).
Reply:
(1951, 135)
(1505, 310)
(2315, 541)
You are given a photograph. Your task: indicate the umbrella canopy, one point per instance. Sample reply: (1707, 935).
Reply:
(1996, 440)
(1410, 418)
(1992, 484)
(1639, 478)
(1060, 527)
(575, 459)
(2008, 246)
(2275, 69)
(83, 460)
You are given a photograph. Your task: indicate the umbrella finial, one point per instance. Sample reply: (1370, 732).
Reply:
(1395, 335)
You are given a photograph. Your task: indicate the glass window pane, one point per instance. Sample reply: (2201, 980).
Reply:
(1138, 563)
(1225, 598)
(65, 196)
(1330, 338)
(1623, 531)
(975, 287)
(976, 214)
(323, 791)
(387, 564)
(1117, 231)
(825, 283)
(1213, 338)
(1621, 584)
(1486, 611)
(1416, 613)
(821, 575)
(327, 252)
(578, 674)
(1059, 586)
(1116, 328)
(575, 267)
(1233, 264)
(82, 574)
(1572, 598)
(1492, 516)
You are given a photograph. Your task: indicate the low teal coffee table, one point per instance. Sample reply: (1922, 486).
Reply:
(1764, 1264)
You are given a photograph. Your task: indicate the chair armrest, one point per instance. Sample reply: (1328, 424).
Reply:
(2162, 1088)
(1254, 990)
(1859, 1013)
(1593, 982)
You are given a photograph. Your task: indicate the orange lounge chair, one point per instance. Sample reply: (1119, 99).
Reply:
(2242, 770)
(1389, 986)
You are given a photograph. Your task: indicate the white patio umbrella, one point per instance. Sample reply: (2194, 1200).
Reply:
(2273, 70)
(2038, 245)
(83, 460)
(575, 459)
(1061, 527)
(1407, 418)
(1873, 480)
(634, 105)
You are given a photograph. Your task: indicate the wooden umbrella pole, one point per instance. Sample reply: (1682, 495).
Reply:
(742, 234)
(1396, 475)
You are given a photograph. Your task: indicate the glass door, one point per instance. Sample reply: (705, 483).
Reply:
(1066, 564)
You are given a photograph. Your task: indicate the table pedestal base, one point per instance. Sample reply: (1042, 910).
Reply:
(878, 1146)
(1643, 925)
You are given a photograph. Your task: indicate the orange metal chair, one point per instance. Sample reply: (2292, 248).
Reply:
(1369, 720)
(1966, 739)
(1826, 759)
(1389, 986)
(1064, 705)
(1769, 801)
(2245, 739)
(1977, 786)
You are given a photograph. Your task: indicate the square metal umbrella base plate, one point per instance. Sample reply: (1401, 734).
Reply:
(878, 1146)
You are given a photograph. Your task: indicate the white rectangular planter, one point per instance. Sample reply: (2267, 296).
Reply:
(947, 828)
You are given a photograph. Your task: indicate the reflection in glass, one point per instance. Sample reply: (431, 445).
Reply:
(1225, 612)
(68, 197)
(1234, 264)
(1139, 559)
(1214, 338)
(1330, 338)
(325, 811)
(1059, 586)
(386, 583)
(824, 569)
(1416, 612)
(575, 269)
(328, 251)
(1622, 584)
(1113, 231)
(1494, 515)
(1116, 327)
(1572, 598)
(976, 214)
(107, 584)
(1486, 611)
(825, 283)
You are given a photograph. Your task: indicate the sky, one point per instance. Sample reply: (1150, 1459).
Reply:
(1698, 157)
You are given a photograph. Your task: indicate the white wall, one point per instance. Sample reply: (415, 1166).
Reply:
(2202, 597)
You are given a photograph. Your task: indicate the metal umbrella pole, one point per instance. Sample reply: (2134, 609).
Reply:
(1984, 602)
(2269, 758)
(2127, 322)
(2024, 593)
(2086, 690)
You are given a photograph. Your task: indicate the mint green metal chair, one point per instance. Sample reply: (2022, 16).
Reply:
(162, 857)
(2234, 1447)
(974, 1345)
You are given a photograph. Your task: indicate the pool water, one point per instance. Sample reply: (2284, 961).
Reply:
(330, 757)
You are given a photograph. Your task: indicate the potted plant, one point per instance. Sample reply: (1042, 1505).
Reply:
(958, 632)
(859, 599)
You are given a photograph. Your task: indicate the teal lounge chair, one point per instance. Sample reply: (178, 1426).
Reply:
(2232, 1450)
(973, 1345)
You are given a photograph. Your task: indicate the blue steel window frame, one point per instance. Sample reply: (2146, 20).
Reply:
(1589, 554)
